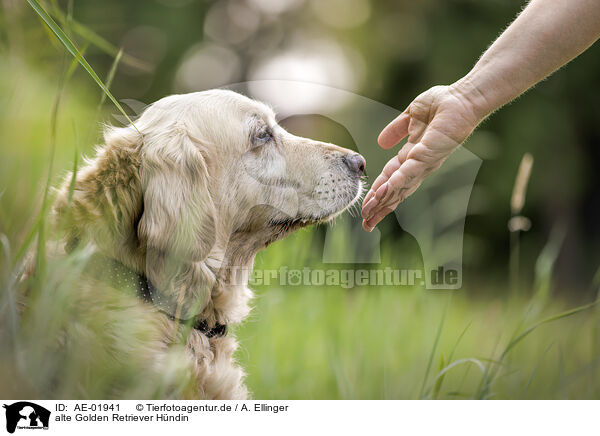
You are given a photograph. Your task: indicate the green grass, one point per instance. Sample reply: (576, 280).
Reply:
(387, 343)
(300, 342)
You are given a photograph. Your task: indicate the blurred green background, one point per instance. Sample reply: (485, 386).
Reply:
(328, 342)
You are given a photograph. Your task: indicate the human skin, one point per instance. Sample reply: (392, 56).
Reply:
(545, 36)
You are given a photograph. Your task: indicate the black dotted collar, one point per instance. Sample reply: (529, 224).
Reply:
(123, 277)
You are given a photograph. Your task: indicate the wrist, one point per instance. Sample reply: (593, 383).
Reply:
(474, 96)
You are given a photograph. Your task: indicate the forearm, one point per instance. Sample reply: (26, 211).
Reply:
(545, 36)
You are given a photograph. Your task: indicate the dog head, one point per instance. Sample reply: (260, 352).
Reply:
(214, 164)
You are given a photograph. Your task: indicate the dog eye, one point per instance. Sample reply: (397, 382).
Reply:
(263, 136)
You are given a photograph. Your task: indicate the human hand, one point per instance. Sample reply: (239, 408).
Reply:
(436, 123)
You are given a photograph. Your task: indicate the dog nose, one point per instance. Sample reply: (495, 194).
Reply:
(356, 163)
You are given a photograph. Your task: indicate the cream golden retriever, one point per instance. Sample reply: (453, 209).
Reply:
(177, 208)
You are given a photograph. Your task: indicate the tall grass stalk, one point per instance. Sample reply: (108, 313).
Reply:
(518, 223)
(544, 265)
(109, 78)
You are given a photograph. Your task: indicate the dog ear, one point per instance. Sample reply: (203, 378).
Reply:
(178, 221)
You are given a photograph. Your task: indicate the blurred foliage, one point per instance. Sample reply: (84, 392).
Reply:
(328, 342)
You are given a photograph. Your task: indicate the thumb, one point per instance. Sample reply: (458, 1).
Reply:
(394, 131)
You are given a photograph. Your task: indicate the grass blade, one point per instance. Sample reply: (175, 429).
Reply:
(110, 77)
(458, 362)
(434, 348)
(524, 395)
(438, 384)
(544, 265)
(75, 167)
(10, 302)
